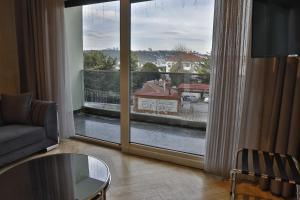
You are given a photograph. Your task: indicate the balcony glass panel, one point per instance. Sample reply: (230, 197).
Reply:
(170, 64)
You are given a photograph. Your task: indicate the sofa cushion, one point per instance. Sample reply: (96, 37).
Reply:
(1, 120)
(14, 137)
(16, 109)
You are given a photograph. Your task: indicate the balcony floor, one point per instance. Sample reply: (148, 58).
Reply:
(162, 136)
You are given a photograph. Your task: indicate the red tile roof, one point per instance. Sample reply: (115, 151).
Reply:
(193, 87)
(151, 89)
(183, 56)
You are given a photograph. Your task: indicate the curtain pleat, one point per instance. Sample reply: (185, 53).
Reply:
(41, 46)
(282, 138)
(270, 113)
(227, 83)
(294, 136)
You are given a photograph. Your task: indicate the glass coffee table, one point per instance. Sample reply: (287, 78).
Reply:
(59, 177)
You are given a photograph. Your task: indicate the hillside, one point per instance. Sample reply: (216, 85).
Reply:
(144, 56)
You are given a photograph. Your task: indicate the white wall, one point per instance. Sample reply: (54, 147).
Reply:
(74, 45)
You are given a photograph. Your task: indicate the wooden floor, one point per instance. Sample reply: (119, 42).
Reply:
(136, 178)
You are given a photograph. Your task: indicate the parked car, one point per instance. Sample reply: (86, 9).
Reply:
(190, 98)
(206, 100)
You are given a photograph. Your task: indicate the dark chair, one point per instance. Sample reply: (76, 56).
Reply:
(283, 162)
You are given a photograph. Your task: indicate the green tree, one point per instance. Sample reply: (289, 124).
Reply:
(149, 67)
(148, 72)
(134, 62)
(204, 70)
(178, 66)
(98, 61)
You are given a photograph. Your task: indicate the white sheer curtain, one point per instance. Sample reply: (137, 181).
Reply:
(64, 96)
(41, 44)
(230, 42)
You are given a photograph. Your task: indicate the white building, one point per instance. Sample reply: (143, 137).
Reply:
(189, 61)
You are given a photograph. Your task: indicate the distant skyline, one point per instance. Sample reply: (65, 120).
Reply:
(157, 24)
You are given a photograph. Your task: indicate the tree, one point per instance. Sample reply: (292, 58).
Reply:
(180, 52)
(204, 70)
(134, 62)
(178, 66)
(181, 48)
(98, 61)
(148, 72)
(149, 67)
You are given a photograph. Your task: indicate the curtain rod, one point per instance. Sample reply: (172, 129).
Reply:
(73, 3)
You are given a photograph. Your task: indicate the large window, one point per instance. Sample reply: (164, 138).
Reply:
(171, 44)
(156, 77)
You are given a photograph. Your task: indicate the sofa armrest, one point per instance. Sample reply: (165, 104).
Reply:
(44, 114)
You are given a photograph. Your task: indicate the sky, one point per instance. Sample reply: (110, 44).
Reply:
(156, 25)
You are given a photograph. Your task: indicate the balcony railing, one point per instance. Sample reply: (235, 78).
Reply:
(102, 92)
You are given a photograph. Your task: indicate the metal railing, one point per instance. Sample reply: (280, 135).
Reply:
(91, 95)
(102, 91)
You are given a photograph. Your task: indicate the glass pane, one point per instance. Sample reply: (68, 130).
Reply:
(95, 31)
(170, 62)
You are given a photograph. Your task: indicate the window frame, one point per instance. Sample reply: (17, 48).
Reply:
(173, 156)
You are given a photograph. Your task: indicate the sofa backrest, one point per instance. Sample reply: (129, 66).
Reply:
(1, 120)
(16, 109)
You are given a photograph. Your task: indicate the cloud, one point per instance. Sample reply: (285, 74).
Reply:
(157, 24)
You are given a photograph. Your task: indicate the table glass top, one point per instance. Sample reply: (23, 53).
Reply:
(59, 176)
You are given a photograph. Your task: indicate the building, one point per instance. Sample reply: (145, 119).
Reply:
(156, 98)
(198, 88)
(189, 61)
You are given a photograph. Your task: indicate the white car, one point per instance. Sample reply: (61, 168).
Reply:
(206, 99)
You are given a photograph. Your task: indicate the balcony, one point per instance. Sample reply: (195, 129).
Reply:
(157, 123)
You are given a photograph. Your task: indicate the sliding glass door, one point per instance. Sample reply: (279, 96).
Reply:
(170, 66)
(141, 71)
(94, 34)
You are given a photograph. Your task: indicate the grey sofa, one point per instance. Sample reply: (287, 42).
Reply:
(20, 140)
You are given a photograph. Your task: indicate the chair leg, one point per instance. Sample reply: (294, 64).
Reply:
(233, 184)
(297, 192)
